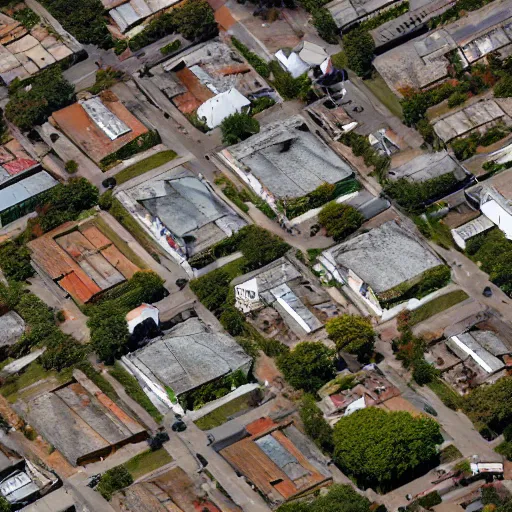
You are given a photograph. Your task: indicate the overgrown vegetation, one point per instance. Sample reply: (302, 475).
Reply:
(466, 147)
(194, 20)
(353, 334)
(105, 79)
(288, 87)
(315, 425)
(141, 143)
(308, 366)
(88, 23)
(296, 206)
(114, 480)
(359, 48)
(238, 127)
(254, 60)
(437, 305)
(339, 220)
(172, 47)
(146, 462)
(32, 101)
(27, 17)
(134, 390)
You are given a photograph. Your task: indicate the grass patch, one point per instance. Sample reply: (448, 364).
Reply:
(383, 93)
(435, 230)
(437, 306)
(32, 374)
(446, 394)
(128, 222)
(119, 242)
(449, 454)
(221, 414)
(145, 165)
(146, 462)
(134, 391)
(505, 449)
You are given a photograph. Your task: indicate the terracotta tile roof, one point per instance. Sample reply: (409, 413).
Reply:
(95, 236)
(81, 290)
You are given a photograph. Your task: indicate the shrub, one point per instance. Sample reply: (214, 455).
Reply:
(325, 26)
(260, 247)
(254, 60)
(29, 106)
(71, 166)
(87, 23)
(105, 200)
(272, 347)
(171, 47)
(287, 86)
(233, 321)
(15, 261)
(238, 127)
(260, 104)
(340, 220)
(308, 366)
(430, 500)
(114, 480)
(315, 425)
(503, 88)
(105, 79)
(352, 334)
(141, 143)
(423, 372)
(457, 98)
(212, 289)
(27, 17)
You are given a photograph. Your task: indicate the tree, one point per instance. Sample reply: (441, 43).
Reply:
(339, 220)
(359, 47)
(260, 247)
(195, 20)
(237, 127)
(325, 26)
(114, 480)
(109, 331)
(71, 166)
(352, 334)
(340, 498)
(315, 425)
(62, 351)
(308, 366)
(212, 289)
(380, 448)
(233, 321)
(29, 106)
(15, 261)
(5, 506)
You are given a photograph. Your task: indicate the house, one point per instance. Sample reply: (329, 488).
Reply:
(424, 61)
(80, 421)
(98, 125)
(208, 81)
(24, 52)
(181, 212)
(80, 259)
(184, 358)
(277, 459)
(302, 58)
(296, 299)
(378, 261)
(144, 313)
(347, 13)
(477, 116)
(285, 161)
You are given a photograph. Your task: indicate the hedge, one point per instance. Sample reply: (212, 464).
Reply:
(141, 143)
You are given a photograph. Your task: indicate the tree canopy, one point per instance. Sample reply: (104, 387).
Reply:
(352, 334)
(315, 425)
(380, 448)
(359, 47)
(29, 106)
(237, 127)
(308, 366)
(340, 498)
(339, 220)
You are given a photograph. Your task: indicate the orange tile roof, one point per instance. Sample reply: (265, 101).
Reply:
(118, 260)
(95, 236)
(259, 426)
(77, 288)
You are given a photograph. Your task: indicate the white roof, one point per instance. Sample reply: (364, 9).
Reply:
(471, 229)
(503, 155)
(216, 109)
(104, 118)
(355, 406)
(497, 214)
(138, 315)
(293, 64)
(312, 54)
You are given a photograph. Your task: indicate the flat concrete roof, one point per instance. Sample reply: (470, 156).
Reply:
(385, 256)
(289, 160)
(188, 356)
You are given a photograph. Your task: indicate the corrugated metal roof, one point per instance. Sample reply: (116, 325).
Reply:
(25, 189)
(105, 119)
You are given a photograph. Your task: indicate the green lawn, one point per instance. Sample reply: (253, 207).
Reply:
(437, 306)
(146, 462)
(383, 93)
(145, 165)
(221, 414)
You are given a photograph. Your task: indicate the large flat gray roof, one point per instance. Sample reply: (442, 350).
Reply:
(189, 355)
(289, 160)
(25, 189)
(427, 166)
(346, 12)
(385, 256)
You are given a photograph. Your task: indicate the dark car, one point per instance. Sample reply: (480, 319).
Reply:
(487, 291)
(179, 426)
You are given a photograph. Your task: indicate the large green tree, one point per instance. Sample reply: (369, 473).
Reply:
(340, 498)
(315, 425)
(352, 334)
(339, 220)
(308, 366)
(359, 47)
(380, 448)
(237, 127)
